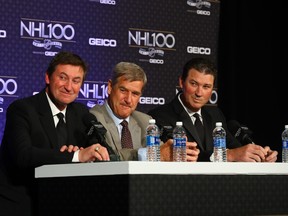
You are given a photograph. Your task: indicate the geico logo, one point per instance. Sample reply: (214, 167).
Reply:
(102, 42)
(152, 100)
(156, 61)
(48, 53)
(1, 110)
(8, 86)
(199, 50)
(214, 97)
(203, 12)
(2, 34)
(51, 30)
(152, 40)
(108, 2)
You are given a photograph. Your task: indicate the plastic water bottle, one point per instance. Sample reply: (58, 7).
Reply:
(285, 145)
(153, 141)
(179, 143)
(219, 140)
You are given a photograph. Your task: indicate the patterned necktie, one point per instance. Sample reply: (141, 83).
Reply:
(126, 139)
(61, 130)
(199, 127)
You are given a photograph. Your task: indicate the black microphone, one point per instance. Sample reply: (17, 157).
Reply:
(240, 132)
(166, 132)
(96, 133)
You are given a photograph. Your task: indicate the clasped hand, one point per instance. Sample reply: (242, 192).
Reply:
(92, 153)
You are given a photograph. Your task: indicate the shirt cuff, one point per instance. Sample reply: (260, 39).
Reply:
(76, 156)
(212, 157)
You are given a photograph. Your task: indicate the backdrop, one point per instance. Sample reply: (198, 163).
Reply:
(252, 67)
(157, 35)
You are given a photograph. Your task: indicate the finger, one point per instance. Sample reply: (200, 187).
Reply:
(97, 152)
(272, 156)
(63, 148)
(70, 148)
(75, 148)
(257, 158)
(102, 153)
(191, 144)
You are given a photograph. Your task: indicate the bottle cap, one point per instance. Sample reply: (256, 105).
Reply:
(218, 124)
(152, 121)
(179, 123)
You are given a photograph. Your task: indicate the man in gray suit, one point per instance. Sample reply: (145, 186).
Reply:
(124, 91)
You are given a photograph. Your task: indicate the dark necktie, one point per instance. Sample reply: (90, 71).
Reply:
(126, 139)
(61, 130)
(199, 127)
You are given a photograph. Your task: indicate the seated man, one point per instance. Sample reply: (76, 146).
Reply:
(197, 82)
(124, 91)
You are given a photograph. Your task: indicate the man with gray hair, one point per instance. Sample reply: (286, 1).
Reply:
(124, 91)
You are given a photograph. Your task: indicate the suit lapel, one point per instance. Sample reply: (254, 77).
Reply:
(135, 132)
(208, 129)
(187, 122)
(113, 134)
(46, 119)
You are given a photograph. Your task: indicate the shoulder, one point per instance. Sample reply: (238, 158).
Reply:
(78, 107)
(142, 115)
(214, 111)
(98, 110)
(29, 103)
(140, 118)
(161, 109)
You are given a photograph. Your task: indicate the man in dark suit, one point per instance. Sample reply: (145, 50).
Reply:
(197, 82)
(30, 136)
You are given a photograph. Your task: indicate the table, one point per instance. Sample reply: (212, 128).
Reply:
(163, 188)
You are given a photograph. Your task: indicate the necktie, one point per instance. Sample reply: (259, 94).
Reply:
(199, 127)
(126, 139)
(61, 130)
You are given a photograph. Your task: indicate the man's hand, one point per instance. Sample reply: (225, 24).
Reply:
(192, 151)
(252, 153)
(70, 148)
(166, 151)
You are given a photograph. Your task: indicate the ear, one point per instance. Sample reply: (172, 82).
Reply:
(180, 82)
(47, 80)
(109, 86)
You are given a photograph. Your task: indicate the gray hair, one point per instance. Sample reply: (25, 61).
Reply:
(131, 72)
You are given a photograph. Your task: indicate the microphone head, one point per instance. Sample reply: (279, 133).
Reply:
(234, 127)
(96, 132)
(240, 132)
(166, 132)
(88, 118)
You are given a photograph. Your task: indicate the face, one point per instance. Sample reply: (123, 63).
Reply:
(124, 96)
(64, 84)
(197, 89)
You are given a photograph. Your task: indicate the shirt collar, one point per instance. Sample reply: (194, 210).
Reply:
(190, 113)
(54, 109)
(116, 120)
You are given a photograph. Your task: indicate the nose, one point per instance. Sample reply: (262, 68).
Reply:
(198, 91)
(68, 85)
(128, 97)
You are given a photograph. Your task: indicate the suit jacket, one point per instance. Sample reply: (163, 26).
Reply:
(30, 140)
(137, 125)
(169, 114)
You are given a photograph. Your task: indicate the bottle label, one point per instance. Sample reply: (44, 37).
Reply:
(179, 142)
(285, 144)
(219, 142)
(152, 140)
